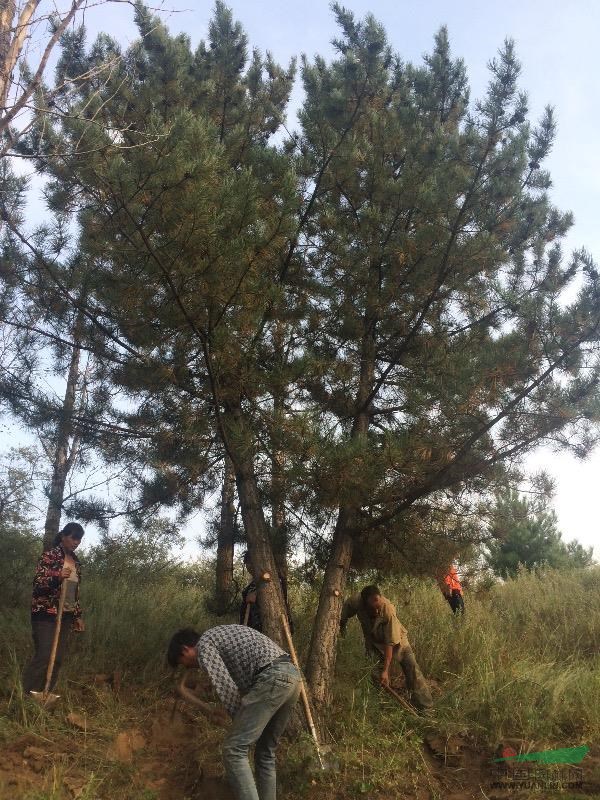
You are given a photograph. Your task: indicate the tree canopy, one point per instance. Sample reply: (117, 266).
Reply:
(371, 317)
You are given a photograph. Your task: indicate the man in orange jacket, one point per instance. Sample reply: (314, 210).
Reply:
(452, 590)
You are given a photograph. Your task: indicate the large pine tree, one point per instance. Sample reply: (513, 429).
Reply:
(185, 209)
(374, 308)
(441, 346)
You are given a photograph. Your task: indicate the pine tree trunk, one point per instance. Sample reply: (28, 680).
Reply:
(261, 553)
(278, 527)
(62, 461)
(278, 521)
(320, 666)
(224, 570)
(7, 15)
(322, 653)
(255, 525)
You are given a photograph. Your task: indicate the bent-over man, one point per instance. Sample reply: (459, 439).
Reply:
(258, 685)
(387, 638)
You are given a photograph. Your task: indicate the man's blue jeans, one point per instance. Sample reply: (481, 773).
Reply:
(260, 721)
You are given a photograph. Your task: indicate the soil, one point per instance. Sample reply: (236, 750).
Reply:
(169, 757)
(175, 755)
(164, 759)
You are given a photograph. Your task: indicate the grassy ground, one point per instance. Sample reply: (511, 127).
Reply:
(523, 666)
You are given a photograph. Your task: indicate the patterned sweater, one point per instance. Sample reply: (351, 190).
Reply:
(46, 582)
(232, 655)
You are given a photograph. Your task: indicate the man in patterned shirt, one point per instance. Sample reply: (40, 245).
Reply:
(257, 684)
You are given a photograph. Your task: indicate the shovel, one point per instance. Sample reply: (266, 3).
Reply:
(405, 705)
(46, 699)
(303, 694)
(185, 692)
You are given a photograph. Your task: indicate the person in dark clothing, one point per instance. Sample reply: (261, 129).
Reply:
(257, 684)
(55, 566)
(250, 607)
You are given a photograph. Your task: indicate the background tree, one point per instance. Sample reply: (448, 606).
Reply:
(20, 25)
(525, 533)
(19, 479)
(48, 383)
(147, 554)
(30, 31)
(223, 534)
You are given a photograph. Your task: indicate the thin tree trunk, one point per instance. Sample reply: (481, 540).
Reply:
(322, 653)
(278, 521)
(225, 541)
(279, 536)
(255, 525)
(7, 15)
(65, 448)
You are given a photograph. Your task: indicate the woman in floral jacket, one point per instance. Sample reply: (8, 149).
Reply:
(55, 566)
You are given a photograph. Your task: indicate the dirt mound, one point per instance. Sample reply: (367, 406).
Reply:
(175, 766)
(24, 763)
(168, 731)
(166, 756)
(125, 745)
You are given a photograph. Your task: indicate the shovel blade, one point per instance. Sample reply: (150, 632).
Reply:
(325, 761)
(45, 700)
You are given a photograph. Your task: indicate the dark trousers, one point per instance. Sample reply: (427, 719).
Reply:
(43, 628)
(456, 602)
(416, 684)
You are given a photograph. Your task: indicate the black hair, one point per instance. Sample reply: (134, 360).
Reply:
(368, 592)
(186, 637)
(73, 529)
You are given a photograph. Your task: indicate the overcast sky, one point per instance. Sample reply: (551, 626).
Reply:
(557, 43)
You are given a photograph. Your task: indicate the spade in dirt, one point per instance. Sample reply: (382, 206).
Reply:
(46, 698)
(326, 762)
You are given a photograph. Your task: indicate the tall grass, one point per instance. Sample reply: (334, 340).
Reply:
(128, 624)
(523, 662)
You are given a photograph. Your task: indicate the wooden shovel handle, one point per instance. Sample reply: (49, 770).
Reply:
(59, 615)
(303, 694)
(401, 700)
